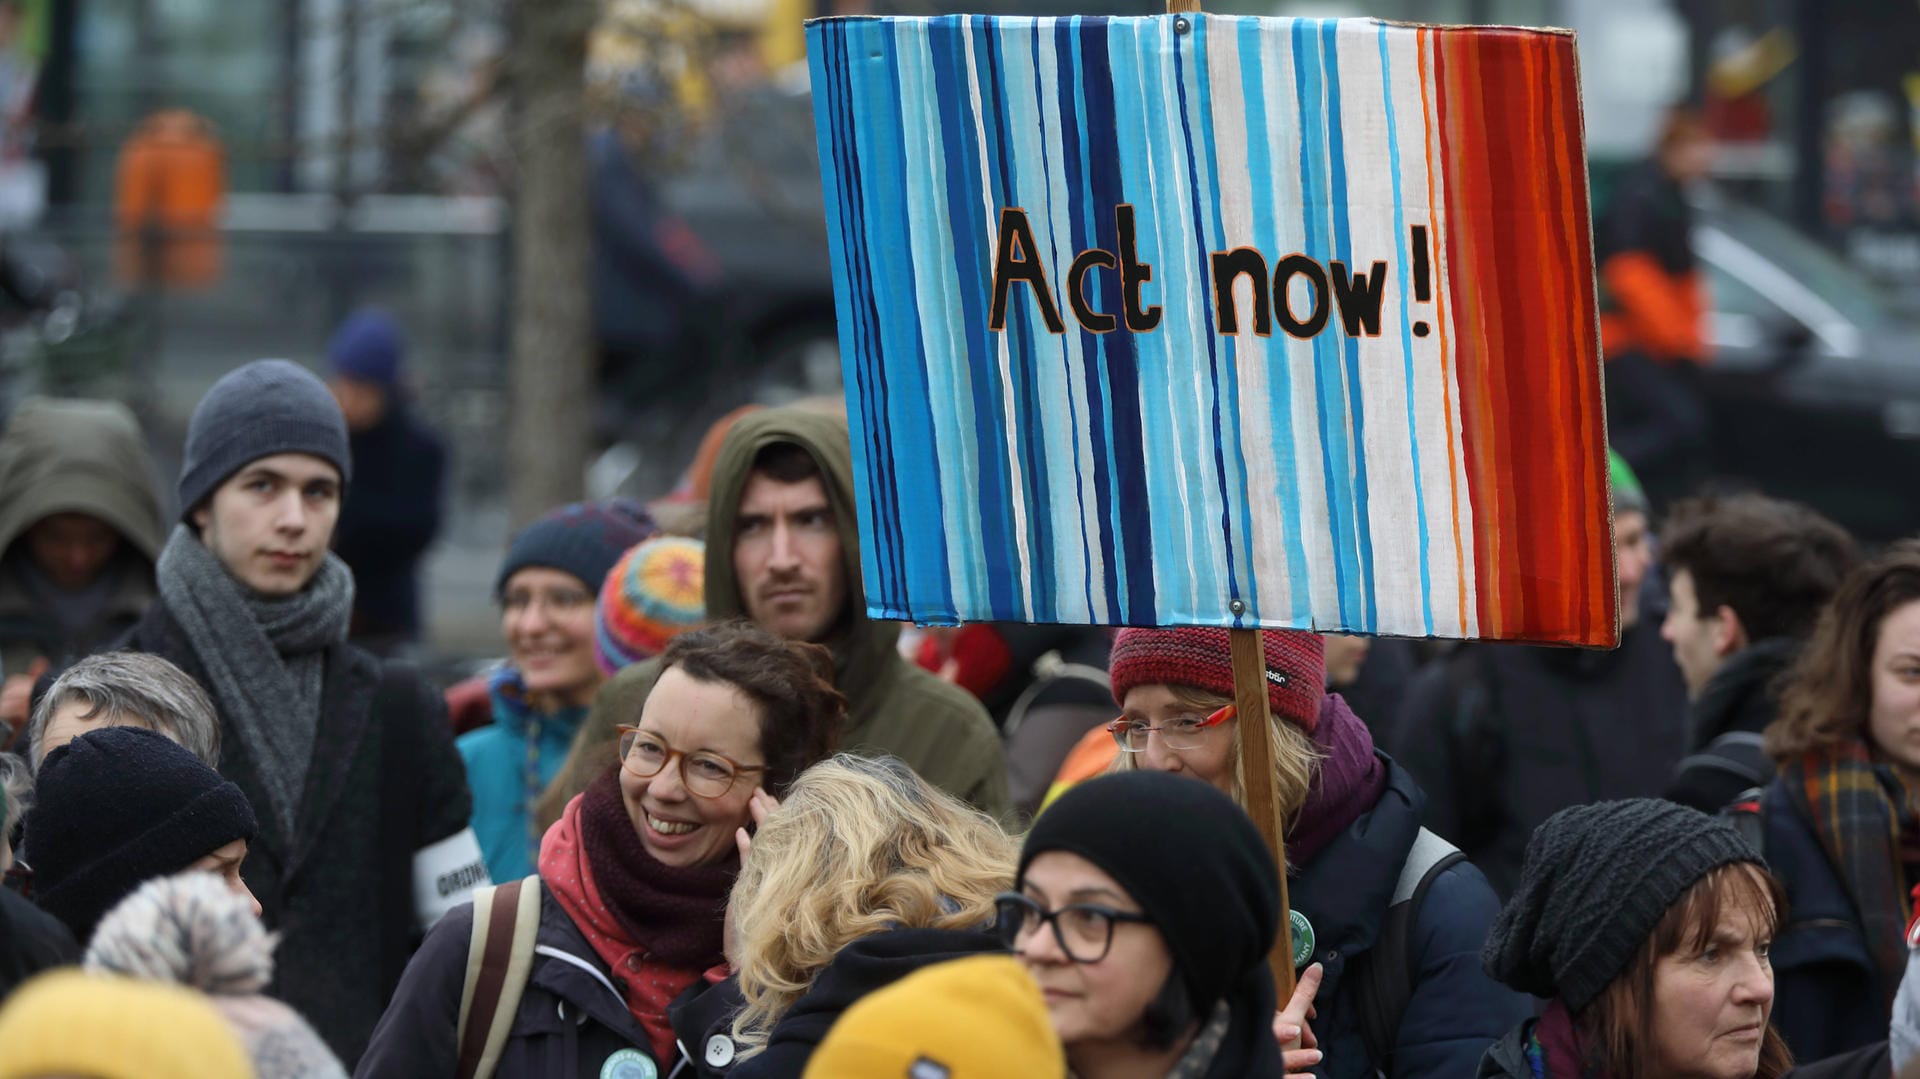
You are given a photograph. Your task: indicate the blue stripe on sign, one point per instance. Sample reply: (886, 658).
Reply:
(1350, 346)
(938, 308)
(1028, 158)
(877, 162)
(920, 529)
(1147, 162)
(971, 276)
(1203, 168)
(1406, 334)
(1070, 597)
(1019, 357)
(840, 161)
(966, 180)
(1273, 351)
(1113, 353)
(1122, 349)
(1313, 198)
(1079, 216)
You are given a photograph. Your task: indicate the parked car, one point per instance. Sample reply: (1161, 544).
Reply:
(1814, 387)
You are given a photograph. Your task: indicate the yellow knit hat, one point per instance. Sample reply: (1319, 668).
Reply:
(975, 1018)
(66, 1022)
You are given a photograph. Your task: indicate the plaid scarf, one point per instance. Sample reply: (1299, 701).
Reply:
(1864, 816)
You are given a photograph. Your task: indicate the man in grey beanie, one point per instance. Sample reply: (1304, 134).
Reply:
(363, 802)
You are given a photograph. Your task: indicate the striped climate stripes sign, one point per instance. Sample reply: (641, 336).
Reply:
(1203, 320)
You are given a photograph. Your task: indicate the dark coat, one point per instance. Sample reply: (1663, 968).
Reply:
(31, 940)
(391, 514)
(703, 1019)
(1827, 995)
(384, 782)
(1456, 1010)
(1503, 736)
(1724, 758)
(571, 1019)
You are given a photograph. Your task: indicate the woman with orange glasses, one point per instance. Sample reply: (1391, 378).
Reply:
(1393, 915)
(633, 878)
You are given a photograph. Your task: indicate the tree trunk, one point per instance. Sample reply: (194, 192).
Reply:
(550, 377)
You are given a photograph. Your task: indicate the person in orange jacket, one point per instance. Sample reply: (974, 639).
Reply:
(1653, 313)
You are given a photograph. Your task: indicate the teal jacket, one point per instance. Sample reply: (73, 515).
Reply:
(508, 765)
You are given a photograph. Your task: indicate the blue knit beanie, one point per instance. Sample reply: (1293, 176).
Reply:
(582, 538)
(368, 347)
(267, 407)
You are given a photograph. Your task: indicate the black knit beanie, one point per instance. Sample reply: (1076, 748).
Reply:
(1188, 856)
(119, 806)
(265, 408)
(581, 538)
(1596, 882)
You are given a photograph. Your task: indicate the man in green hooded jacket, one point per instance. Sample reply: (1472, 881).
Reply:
(783, 548)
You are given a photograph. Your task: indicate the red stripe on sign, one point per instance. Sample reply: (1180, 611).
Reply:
(1521, 281)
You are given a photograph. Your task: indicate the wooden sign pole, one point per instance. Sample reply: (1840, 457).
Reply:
(1257, 768)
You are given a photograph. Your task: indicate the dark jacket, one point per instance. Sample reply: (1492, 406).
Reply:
(384, 782)
(703, 1019)
(1827, 995)
(1724, 758)
(31, 940)
(391, 514)
(571, 1019)
(1502, 736)
(1456, 1010)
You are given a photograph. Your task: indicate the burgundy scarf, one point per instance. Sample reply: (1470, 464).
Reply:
(1349, 782)
(1554, 1049)
(675, 913)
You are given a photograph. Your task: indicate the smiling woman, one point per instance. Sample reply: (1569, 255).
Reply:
(546, 590)
(635, 874)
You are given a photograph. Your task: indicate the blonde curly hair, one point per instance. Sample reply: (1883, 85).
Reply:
(859, 846)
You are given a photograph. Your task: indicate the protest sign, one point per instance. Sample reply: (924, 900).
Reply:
(1205, 320)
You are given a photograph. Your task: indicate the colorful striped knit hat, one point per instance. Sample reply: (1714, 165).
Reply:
(654, 593)
(1203, 659)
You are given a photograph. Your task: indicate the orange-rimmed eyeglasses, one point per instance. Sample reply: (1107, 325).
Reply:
(1180, 732)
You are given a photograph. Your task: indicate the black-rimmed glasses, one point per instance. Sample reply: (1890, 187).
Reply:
(1084, 931)
(703, 772)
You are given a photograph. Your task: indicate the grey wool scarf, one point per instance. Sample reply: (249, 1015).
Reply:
(264, 657)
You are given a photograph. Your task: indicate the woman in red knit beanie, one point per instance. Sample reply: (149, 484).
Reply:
(1352, 818)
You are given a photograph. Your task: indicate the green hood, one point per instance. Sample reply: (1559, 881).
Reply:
(60, 456)
(862, 648)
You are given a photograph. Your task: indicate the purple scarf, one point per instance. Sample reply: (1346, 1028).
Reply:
(1349, 782)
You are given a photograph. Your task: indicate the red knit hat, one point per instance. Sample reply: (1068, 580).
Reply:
(1203, 659)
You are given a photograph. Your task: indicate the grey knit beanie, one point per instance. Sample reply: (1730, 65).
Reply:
(1596, 882)
(261, 409)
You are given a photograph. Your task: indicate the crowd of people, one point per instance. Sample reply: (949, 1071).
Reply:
(707, 818)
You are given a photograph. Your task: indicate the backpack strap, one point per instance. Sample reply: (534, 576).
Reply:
(506, 921)
(1385, 981)
(1737, 753)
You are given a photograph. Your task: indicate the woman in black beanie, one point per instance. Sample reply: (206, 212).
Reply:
(1647, 926)
(1145, 906)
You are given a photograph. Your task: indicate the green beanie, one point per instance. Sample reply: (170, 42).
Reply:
(1628, 497)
